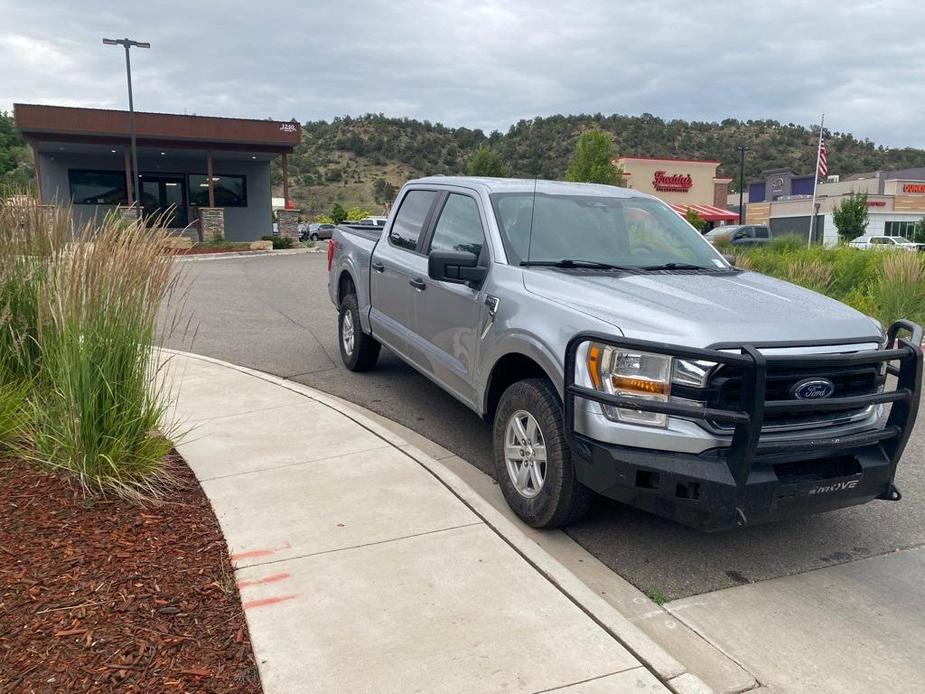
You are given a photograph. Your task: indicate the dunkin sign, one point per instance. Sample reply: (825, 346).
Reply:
(672, 183)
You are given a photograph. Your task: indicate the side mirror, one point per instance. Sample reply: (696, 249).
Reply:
(729, 258)
(459, 267)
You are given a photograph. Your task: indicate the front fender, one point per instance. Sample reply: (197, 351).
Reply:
(529, 345)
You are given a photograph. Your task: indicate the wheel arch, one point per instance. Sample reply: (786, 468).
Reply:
(510, 368)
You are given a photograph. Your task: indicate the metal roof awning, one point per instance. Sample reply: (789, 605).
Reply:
(708, 213)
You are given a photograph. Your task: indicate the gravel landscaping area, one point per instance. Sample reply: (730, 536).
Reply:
(108, 595)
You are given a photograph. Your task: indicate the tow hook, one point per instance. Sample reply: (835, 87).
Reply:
(891, 494)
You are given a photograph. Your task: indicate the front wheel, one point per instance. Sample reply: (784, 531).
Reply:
(358, 350)
(314, 237)
(532, 458)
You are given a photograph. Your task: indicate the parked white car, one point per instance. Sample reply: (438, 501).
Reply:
(885, 243)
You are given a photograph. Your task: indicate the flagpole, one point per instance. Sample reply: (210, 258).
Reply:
(812, 210)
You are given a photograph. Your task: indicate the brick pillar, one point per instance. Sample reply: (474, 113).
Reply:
(212, 223)
(288, 221)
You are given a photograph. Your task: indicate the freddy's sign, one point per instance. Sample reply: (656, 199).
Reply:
(673, 183)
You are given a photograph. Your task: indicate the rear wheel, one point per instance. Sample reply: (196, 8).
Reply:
(358, 350)
(314, 237)
(532, 459)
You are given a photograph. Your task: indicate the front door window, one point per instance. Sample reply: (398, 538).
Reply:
(163, 195)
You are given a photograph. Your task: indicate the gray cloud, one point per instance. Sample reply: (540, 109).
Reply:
(483, 63)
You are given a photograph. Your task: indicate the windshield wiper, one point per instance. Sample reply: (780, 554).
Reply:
(678, 266)
(570, 263)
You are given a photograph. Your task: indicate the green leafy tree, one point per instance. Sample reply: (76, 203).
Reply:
(383, 191)
(851, 217)
(338, 213)
(695, 220)
(918, 234)
(355, 214)
(487, 162)
(593, 160)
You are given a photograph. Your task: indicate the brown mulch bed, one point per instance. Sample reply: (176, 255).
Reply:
(106, 595)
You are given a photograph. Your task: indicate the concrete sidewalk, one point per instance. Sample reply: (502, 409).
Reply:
(365, 565)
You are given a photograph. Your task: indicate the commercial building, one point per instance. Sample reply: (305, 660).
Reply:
(684, 184)
(200, 172)
(783, 201)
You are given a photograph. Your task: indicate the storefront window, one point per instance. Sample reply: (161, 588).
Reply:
(97, 187)
(904, 229)
(230, 190)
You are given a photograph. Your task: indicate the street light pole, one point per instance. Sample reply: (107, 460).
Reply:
(127, 44)
(741, 149)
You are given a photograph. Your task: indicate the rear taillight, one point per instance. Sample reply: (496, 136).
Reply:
(330, 253)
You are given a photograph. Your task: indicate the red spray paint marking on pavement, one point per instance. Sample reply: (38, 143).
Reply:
(259, 552)
(261, 581)
(267, 601)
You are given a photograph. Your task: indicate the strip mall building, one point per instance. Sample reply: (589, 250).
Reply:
(783, 201)
(685, 184)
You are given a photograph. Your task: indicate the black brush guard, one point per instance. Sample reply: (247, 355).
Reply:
(746, 481)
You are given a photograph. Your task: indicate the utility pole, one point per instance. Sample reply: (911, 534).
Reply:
(741, 149)
(127, 44)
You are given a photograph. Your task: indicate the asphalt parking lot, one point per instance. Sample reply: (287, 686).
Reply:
(273, 314)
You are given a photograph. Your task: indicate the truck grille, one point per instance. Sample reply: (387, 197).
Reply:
(725, 387)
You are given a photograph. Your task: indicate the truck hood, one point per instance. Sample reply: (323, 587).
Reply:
(701, 309)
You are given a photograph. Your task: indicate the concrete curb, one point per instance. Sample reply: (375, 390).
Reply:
(246, 254)
(664, 666)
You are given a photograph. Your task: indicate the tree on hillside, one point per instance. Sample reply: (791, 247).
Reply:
(487, 162)
(383, 191)
(593, 160)
(338, 213)
(851, 217)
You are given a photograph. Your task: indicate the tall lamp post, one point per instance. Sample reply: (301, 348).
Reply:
(741, 149)
(127, 44)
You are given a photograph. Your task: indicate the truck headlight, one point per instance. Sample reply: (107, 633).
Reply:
(642, 375)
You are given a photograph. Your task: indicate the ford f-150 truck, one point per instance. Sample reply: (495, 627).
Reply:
(617, 352)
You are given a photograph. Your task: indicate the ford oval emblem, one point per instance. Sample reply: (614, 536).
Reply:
(812, 389)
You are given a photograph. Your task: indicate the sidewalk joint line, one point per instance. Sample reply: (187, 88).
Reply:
(288, 465)
(590, 679)
(361, 546)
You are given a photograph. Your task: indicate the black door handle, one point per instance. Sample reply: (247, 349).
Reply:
(378, 267)
(417, 283)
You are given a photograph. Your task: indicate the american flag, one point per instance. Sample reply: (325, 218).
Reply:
(823, 172)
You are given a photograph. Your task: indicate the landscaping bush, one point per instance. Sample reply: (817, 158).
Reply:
(279, 242)
(886, 285)
(13, 413)
(83, 304)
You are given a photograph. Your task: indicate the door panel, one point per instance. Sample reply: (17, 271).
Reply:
(395, 264)
(163, 195)
(448, 315)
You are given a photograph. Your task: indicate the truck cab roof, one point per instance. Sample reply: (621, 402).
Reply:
(526, 185)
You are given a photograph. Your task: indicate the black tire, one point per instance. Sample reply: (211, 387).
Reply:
(365, 349)
(314, 237)
(561, 499)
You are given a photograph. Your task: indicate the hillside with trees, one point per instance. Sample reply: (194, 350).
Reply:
(357, 161)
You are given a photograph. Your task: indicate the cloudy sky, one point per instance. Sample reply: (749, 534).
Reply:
(482, 63)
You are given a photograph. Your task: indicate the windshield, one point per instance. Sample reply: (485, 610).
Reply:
(627, 232)
(719, 232)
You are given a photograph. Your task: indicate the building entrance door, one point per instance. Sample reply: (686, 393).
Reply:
(164, 195)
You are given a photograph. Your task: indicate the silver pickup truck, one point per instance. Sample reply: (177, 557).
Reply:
(617, 352)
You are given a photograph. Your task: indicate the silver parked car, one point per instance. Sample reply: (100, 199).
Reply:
(318, 232)
(617, 352)
(885, 243)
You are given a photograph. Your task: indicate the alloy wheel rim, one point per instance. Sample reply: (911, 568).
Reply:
(525, 454)
(347, 332)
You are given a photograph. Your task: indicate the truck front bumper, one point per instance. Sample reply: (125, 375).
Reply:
(752, 480)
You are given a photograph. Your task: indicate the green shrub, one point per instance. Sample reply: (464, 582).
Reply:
(13, 413)
(899, 291)
(279, 242)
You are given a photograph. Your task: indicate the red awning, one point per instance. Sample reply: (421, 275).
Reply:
(708, 212)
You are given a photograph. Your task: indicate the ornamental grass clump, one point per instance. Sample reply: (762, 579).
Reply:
(899, 291)
(84, 306)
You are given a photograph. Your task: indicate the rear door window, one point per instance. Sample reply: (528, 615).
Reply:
(411, 217)
(761, 232)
